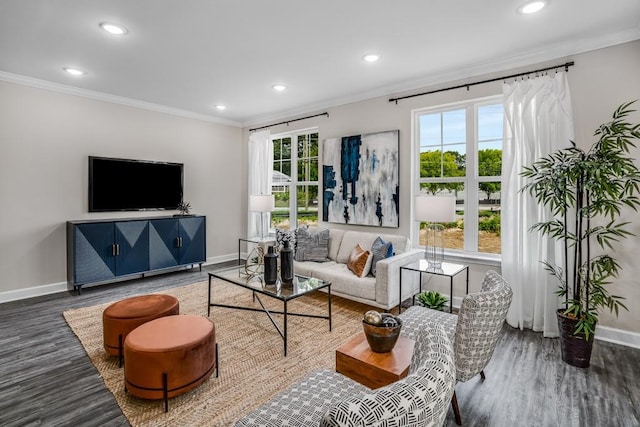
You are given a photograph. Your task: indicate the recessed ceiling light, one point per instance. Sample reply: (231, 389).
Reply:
(279, 87)
(371, 57)
(118, 30)
(532, 7)
(74, 71)
(221, 107)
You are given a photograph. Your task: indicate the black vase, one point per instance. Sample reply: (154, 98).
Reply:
(286, 263)
(270, 267)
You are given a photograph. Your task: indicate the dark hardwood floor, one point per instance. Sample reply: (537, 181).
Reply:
(47, 379)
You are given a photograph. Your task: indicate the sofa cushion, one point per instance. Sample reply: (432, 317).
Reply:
(359, 261)
(335, 239)
(343, 281)
(352, 238)
(380, 250)
(312, 244)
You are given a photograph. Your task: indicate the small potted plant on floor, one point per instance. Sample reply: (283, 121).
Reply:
(586, 191)
(433, 300)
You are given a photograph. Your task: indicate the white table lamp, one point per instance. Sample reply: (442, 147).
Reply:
(262, 203)
(435, 210)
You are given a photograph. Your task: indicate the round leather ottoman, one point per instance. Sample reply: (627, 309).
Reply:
(169, 356)
(122, 317)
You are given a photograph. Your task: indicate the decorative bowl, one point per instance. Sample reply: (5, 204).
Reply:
(382, 338)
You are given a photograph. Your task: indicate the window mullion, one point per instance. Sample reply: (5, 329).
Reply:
(471, 202)
(293, 190)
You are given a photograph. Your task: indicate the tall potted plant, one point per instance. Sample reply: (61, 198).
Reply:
(586, 191)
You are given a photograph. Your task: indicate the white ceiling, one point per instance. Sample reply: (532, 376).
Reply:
(187, 56)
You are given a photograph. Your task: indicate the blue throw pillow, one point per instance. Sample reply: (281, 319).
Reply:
(380, 250)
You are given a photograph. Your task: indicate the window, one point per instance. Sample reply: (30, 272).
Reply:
(295, 179)
(459, 152)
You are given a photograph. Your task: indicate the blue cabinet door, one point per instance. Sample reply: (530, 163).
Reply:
(94, 252)
(132, 240)
(192, 240)
(164, 251)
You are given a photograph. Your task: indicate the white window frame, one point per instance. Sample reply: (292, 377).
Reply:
(294, 183)
(471, 179)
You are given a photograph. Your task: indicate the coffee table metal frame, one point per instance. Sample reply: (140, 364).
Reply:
(301, 286)
(447, 269)
(260, 241)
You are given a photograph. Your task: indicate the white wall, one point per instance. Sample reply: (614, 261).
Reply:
(599, 82)
(45, 140)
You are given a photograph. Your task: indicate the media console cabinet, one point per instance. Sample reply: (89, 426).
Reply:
(106, 250)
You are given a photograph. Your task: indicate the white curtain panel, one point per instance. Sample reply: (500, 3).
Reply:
(538, 121)
(260, 173)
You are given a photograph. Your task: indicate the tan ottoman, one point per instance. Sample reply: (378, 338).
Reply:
(122, 317)
(169, 356)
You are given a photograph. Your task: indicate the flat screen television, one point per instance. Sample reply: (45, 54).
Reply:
(133, 185)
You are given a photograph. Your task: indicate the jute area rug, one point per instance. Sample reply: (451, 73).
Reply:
(252, 364)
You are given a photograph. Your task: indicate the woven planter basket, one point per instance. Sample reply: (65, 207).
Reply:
(576, 351)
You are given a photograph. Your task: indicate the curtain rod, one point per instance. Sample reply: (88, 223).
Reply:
(566, 66)
(289, 121)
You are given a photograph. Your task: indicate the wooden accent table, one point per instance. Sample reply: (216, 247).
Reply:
(356, 360)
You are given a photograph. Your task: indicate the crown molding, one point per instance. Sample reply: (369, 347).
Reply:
(560, 50)
(549, 53)
(101, 96)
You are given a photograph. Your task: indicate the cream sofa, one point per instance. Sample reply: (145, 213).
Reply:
(381, 291)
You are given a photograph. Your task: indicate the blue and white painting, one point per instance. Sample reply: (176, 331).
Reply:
(360, 179)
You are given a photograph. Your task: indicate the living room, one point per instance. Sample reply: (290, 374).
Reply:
(48, 130)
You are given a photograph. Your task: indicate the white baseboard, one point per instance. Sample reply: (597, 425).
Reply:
(618, 336)
(53, 288)
(34, 291)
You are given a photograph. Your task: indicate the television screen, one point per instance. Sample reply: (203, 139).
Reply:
(130, 185)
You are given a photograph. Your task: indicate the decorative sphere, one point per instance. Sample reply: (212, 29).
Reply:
(389, 322)
(372, 317)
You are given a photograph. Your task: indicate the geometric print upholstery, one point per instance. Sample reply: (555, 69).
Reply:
(327, 398)
(417, 318)
(475, 330)
(420, 399)
(480, 321)
(303, 403)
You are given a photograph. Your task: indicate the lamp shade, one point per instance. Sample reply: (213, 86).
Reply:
(435, 208)
(261, 202)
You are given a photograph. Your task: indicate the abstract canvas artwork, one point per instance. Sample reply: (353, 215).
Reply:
(360, 179)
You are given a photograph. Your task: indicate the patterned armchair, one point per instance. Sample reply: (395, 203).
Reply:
(329, 399)
(474, 331)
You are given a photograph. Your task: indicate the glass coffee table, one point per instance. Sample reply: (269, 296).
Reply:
(300, 286)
